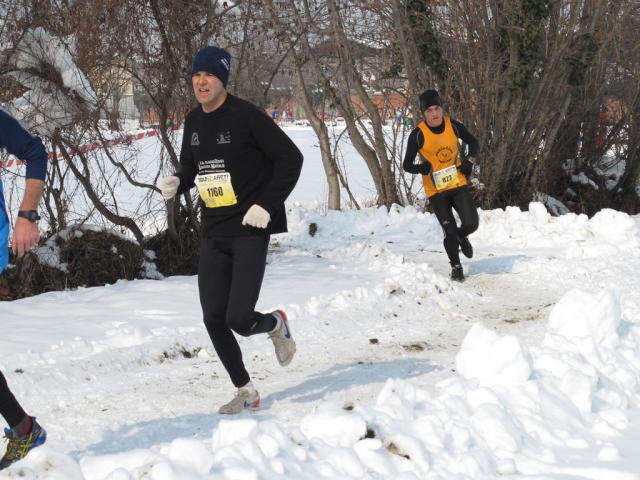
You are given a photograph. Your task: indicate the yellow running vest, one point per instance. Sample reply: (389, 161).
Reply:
(442, 152)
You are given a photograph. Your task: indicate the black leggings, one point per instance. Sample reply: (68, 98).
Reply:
(443, 204)
(10, 409)
(230, 275)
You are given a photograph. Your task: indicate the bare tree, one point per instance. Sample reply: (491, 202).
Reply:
(530, 79)
(549, 87)
(289, 38)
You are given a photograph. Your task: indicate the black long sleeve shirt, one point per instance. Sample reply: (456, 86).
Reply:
(416, 140)
(264, 164)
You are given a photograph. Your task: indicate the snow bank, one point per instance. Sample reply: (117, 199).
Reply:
(493, 359)
(571, 235)
(511, 409)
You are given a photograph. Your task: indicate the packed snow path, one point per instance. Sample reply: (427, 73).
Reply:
(126, 382)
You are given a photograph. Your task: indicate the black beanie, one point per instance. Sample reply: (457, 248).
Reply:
(213, 60)
(429, 98)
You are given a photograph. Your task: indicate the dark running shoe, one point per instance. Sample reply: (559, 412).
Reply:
(457, 274)
(19, 446)
(465, 246)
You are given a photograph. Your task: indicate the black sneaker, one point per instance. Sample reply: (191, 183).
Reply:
(19, 446)
(457, 274)
(465, 246)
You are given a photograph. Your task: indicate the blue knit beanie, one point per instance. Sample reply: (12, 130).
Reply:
(213, 60)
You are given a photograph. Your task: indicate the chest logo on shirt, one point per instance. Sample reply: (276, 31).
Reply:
(444, 154)
(224, 138)
(195, 141)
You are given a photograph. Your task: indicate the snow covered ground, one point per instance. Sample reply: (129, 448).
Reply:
(529, 369)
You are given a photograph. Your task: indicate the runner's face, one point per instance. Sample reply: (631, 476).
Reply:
(433, 115)
(209, 91)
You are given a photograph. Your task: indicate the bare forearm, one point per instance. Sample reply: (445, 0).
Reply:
(32, 194)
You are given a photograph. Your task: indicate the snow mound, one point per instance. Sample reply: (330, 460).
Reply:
(570, 235)
(493, 359)
(579, 315)
(509, 411)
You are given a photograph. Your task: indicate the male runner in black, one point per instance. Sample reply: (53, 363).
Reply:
(244, 167)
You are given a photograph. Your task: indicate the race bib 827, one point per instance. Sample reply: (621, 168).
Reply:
(216, 190)
(445, 178)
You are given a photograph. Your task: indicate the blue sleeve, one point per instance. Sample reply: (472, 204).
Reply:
(18, 141)
(4, 234)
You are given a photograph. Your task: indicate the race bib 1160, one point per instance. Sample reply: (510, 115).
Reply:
(216, 190)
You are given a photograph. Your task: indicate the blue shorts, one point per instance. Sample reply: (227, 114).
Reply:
(4, 233)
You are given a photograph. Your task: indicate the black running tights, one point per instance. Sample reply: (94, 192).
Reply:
(10, 409)
(230, 275)
(443, 205)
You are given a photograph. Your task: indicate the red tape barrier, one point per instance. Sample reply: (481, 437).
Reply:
(125, 140)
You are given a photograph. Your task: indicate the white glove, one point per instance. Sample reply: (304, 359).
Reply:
(169, 186)
(256, 216)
